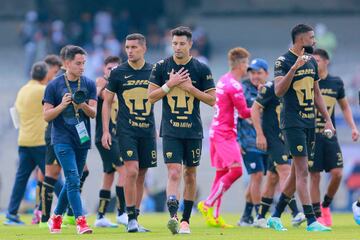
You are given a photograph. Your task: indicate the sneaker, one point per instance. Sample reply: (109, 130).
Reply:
(325, 218)
(43, 225)
(275, 223)
(13, 220)
(356, 212)
(298, 219)
(37, 217)
(317, 227)
(54, 223)
(105, 223)
(184, 228)
(203, 209)
(69, 220)
(173, 225)
(142, 229)
(246, 221)
(260, 223)
(220, 222)
(82, 227)
(122, 219)
(133, 226)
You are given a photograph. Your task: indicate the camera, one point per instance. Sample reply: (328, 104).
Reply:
(79, 97)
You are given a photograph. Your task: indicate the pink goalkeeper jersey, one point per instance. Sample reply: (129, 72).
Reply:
(229, 95)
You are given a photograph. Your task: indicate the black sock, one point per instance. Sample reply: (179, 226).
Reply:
(38, 195)
(327, 201)
(47, 193)
(317, 210)
(281, 205)
(83, 178)
(137, 212)
(293, 206)
(120, 197)
(264, 206)
(309, 214)
(131, 212)
(188, 205)
(173, 205)
(257, 209)
(248, 209)
(105, 196)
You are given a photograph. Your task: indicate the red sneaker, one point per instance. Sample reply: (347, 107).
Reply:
(81, 226)
(55, 223)
(325, 218)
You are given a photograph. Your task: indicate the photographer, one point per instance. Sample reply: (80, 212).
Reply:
(70, 102)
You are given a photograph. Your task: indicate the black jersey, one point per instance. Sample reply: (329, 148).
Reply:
(332, 89)
(180, 110)
(271, 111)
(298, 102)
(135, 117)
(112, 123)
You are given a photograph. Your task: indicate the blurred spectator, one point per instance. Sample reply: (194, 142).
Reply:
(325, 39)
(103, 23)
(58, 38)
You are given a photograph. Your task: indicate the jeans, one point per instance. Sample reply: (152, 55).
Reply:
(72, 161)
(29, 158)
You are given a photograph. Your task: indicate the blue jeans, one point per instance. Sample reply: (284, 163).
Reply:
(29, 158)
(72, 161)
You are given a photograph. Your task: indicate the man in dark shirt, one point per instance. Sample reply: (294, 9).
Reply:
(135, 123)
(328, 156)
(296, 82)
(182, 82)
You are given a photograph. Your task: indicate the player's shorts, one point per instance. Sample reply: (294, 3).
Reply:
(110, 158)
(255, 162)
(138, 149)
(183, 151)
(278, 154)
(300, 141)
(50, 157)
(327, 154)
(224, 153)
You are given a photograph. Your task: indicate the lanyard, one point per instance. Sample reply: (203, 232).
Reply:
(77, 115)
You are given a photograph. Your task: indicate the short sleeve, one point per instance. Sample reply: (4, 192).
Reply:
(155, 76)
(112, 85)
(265, 95)
(207, 80)
(341, 91)
(316, 76)
(280, 68)
(50, 94)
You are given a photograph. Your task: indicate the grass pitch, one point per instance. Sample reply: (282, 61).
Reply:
(344, 228)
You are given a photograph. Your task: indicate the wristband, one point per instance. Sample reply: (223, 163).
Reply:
(165, 88)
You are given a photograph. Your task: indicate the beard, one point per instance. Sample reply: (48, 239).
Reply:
(309, 49)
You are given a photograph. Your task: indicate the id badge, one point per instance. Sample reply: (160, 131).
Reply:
(82, 132)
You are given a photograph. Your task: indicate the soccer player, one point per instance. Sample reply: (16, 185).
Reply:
(135, 123)
(181, 81)
(31, 139)
(224, 149)
(328, 156)
(296, 82)
(255, 160)
(265, 114)
(70, 102)
(110, 158)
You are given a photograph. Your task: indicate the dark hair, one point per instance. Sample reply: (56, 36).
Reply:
(71, 51)
(39, 71)
(299, 29)
(137, 36)
(322, 53)
(182, 31)
(53, 60)
(112, 59)
(63, 52)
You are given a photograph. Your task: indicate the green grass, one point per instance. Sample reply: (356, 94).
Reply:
(344, 228)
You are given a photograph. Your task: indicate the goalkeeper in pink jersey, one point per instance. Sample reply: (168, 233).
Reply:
(224, 149)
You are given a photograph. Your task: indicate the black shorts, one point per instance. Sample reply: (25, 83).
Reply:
(139, 149)
(255, 162)
(300, 141)
(110, 158)
(278, 154)
(50, 157)
(327, 154)
(183, 151)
